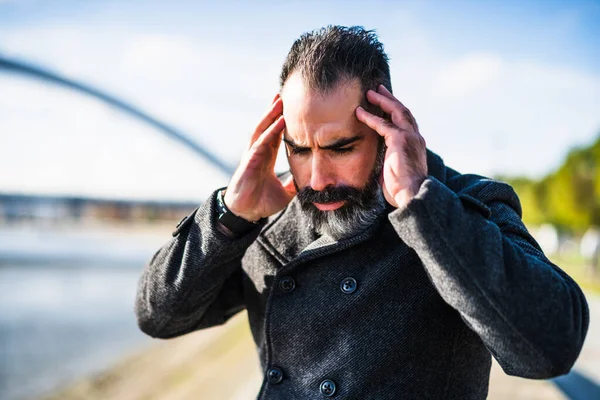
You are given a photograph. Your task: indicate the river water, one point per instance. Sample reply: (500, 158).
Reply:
(66, 304)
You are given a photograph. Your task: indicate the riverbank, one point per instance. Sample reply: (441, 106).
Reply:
(217, 363)
(67, 295)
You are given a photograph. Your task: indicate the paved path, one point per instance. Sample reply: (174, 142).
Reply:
(577, 386)
(589, 360)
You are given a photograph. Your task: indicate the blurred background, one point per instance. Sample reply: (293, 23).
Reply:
(119, 118)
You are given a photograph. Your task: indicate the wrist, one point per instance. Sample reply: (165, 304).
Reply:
(229, 204)
(405, 196)
(229, 222)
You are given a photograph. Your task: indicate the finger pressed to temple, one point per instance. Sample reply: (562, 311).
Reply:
(273, 132)
(394, 107)
(384, 91)
(268, 119)
(387, 104)
(378, 124)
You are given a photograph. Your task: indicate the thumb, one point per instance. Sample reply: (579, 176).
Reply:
(388, 197)
(289, 187)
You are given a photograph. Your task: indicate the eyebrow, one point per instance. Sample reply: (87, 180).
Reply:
(335, 145)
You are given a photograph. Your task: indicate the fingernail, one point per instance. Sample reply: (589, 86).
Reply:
(360, 108)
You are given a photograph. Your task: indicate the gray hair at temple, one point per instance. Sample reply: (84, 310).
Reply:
(329, 56)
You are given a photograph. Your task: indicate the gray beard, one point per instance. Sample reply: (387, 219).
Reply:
(354, 217)
(340, 225)
(360, 211)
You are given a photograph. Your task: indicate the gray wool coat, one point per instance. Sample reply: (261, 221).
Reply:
(412, 308)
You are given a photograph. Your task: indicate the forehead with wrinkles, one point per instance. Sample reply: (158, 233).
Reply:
(317, 118)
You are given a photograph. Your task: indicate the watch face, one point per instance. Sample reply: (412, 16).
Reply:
(221, 207)
(235, 224)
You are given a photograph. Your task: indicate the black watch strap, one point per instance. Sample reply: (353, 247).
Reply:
(238, 226)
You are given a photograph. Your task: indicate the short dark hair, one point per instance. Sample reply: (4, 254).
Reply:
(328, 56)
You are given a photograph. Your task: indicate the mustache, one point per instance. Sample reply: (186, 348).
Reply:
(331, 194)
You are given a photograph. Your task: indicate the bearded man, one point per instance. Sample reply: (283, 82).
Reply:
(372, 270)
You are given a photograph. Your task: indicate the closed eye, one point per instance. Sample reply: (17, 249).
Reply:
(299, 150)
(343, 150)
(306, 150)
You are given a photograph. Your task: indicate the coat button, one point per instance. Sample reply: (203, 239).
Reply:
(275, 375)
(287, 284)
(348, 285)
(327, 387)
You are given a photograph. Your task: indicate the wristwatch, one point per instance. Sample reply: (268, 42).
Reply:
(238, 226)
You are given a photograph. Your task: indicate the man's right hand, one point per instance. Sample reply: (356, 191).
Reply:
(255, 192)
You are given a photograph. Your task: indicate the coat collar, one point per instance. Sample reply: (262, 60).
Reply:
(291, 239)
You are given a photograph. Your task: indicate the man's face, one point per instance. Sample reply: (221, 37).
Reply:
(332, 156)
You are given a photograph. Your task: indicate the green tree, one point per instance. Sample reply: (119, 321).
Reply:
(569, 197)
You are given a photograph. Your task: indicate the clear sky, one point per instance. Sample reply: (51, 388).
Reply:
(496, 86)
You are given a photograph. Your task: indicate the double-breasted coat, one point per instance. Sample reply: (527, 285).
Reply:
(412, 308)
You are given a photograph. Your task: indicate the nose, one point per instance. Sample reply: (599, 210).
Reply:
(322, 174)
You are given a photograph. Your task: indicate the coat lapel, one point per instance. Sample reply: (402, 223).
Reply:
(288, 233)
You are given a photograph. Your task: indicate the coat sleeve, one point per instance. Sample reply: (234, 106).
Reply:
(195, 280)
(480, 257)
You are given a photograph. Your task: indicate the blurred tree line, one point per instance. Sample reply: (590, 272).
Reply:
(568, 198)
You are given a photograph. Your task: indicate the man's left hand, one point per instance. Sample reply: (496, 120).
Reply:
(405, 165)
